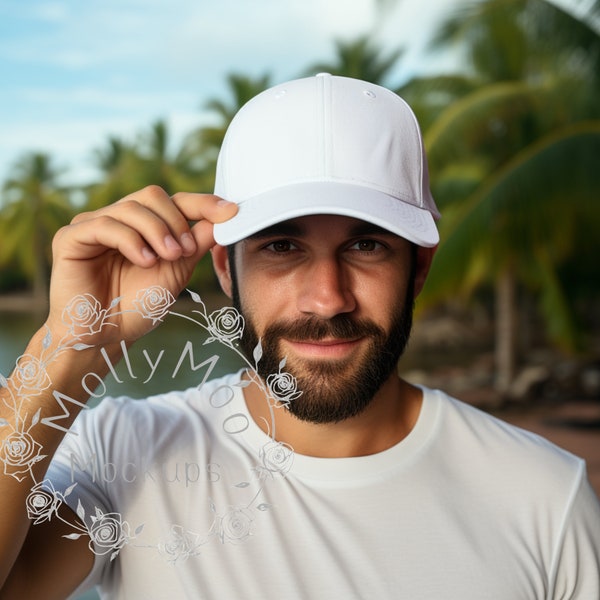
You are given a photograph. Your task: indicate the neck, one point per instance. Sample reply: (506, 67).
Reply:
(387, 420)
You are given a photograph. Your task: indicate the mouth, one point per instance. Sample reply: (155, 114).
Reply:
(324, 349)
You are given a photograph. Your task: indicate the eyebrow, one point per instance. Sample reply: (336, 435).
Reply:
(365, 229)
(293, 228)
(286, 228)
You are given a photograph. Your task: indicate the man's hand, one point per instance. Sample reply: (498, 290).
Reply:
(141, 241)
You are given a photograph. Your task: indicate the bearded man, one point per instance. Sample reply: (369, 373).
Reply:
(316, 471)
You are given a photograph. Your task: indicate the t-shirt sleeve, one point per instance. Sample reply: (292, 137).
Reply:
(576, 572)
(60, 476)
(75, 473)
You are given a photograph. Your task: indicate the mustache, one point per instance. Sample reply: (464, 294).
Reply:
(340, 327)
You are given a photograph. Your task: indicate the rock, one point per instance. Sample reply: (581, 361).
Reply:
(527, 380)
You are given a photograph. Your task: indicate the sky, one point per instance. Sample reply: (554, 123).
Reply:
(75, 72)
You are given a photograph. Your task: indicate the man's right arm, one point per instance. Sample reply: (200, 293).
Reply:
(142, 241)
(36, 560)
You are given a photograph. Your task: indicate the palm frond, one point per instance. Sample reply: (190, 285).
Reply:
(483, 114)
(544, 198)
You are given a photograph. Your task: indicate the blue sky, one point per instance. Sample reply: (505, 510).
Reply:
(75, 71)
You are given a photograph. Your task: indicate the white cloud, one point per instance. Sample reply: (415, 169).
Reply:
(90, 97)
(264, 35)
(336, 18)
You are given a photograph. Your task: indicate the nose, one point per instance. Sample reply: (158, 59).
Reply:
(325, 290)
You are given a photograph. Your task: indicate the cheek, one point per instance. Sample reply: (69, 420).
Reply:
(384, 283)
(379, 298)
(265, 301)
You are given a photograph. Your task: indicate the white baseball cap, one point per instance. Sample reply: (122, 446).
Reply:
(326, 145)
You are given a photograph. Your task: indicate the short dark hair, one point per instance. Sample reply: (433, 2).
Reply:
(235, 294)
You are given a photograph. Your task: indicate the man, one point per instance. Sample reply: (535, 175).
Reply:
(316, 472)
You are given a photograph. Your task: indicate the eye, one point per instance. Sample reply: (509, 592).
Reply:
(280, 246)
(366, 245)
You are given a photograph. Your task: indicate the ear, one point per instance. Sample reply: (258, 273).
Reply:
(424, 258)
(221, 266)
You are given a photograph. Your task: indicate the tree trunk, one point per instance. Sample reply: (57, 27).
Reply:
(506, 331)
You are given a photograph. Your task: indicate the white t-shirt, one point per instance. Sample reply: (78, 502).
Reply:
(186, 497)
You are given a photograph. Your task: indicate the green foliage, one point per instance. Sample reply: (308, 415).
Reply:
(430, 96)
(537, 217)
(12, 279)
(203, 144)
(537, 205)
(34, 207)
(361, 58)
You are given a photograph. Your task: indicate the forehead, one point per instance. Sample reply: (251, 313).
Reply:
(319, 224)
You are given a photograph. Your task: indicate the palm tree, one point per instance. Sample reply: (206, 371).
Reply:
(129, 167)
(511, 144)
(360, 58)
(35, 208)
(159, 164)
(521, 39)
(117, 163)
(201, 146)
(525, 224)
(430, 96)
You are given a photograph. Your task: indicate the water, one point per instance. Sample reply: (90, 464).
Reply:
(15, 329)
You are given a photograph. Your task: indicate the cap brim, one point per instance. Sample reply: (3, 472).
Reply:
(328, 198)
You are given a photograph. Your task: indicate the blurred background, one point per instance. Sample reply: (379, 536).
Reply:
(102, 98)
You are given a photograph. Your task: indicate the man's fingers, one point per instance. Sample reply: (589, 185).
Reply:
(163, 227)
(171, 230)
(148, 230)
(164, 221)
(198, 207)
(203, 235)
(89, 239)
(205, 210)
(147, 225)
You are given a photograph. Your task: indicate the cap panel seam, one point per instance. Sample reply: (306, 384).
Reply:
(322, 125)
(327, 125)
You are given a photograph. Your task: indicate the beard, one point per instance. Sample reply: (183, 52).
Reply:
(332, 390)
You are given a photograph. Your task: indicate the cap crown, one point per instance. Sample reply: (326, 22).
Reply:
(325, 128)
